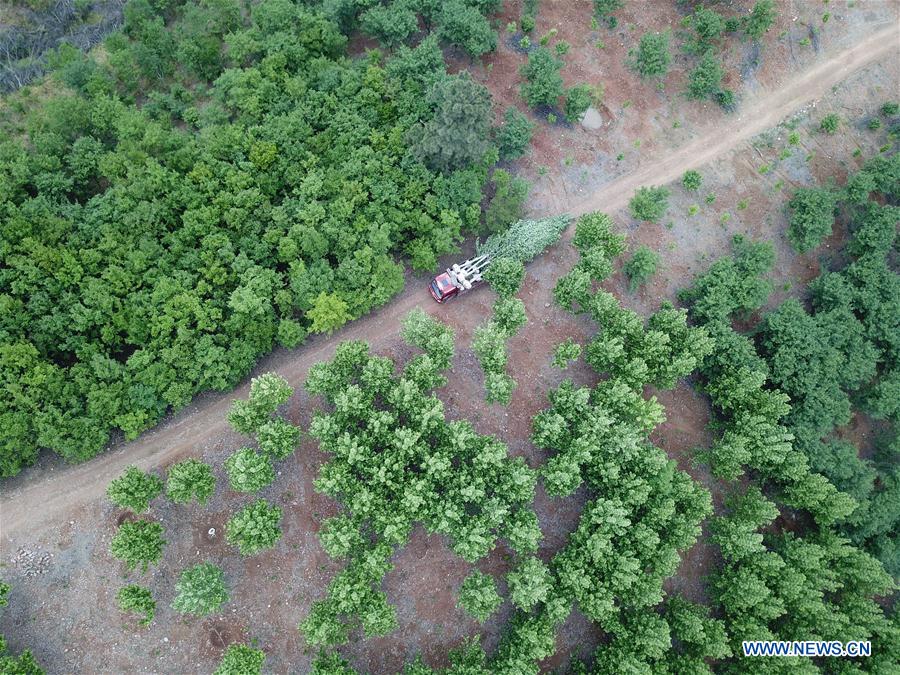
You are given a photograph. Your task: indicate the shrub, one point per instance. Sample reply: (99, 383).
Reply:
(649, 203)
(652, 58)
(134, 598)
(241, 660)
(507, 204)
(188, 479)
(890, 108)
(578, 100)
(830, 123)
(543, 83)
(249, 471)
(138, 543)
(515, 134)
(529, 583)
(134, 489)
(641, 266)
(706, 79)
(505, 276)
(478, 595)
(761, 19)
(565, 353)
(201, 590)
(691, 180)
(812, 218)
(254, 528)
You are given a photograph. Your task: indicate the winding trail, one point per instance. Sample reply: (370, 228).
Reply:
(38, 496)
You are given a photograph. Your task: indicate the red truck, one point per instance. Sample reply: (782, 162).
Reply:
(459, 278)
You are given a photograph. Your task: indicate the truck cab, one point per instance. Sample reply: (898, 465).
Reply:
(442, 288)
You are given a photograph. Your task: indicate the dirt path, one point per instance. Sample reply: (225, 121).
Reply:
(39, 496)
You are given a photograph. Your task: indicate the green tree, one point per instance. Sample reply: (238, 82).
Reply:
(464, 25)
(507, 205)
(132, 598)
(478, 595)
(189, 479)
(890, 108)
(529, 583)
(603, 9)
(200, 590)
(830, 123)
(761, 18)
(691, 180)
(578, 100)
(134, 489)
(565, 353)
(505, 276)
(652, 57)
(267, 393)
(812, 217)
(649, 203)
(543, 82)
(4, 593)
(328, 313)
(255, 527)
(138, 544)
(278, 438)
(390, 24)
(241, 660)
(705, 80)
(514, 136)
(249, 471)
(641, 266)
(23, 664)
(709, 25)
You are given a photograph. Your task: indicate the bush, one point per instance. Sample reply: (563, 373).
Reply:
(134, 598)
(241, 660)
(543, 83)
(691, 180)
(761, 19)
(830, 123)
(254, 528)
(515, 134)
(890, 108)
(706, 79)
(649, 203)
(529, 583)
(188, 479)
(505, 276)
(138, 543)
(812, 218)
(641, 266)
(578, 100)
(249, 471)
(134, 489)
(507, 204)
(652, 57)
(565, 353)
(200, 590)
(478, 595)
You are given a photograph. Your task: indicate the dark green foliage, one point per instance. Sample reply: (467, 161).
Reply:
(138, 599)
(464, 25)
(241, 660)
(641, 266)
(691, 180)
(505, 276)
(189, 479)
(830, 123)
(138, 543)
(812, 217)
(4, 593)
(390, 24)
(478, 595)
(760, 20)
(507, 204)
(649, 203)
(578, 100)
(890, 108)
(604, 9)
(456, 135)
(249, 471)
(514, 136)
(705, 80)
(708, 24)
(134, 489)
(200, 590)
(259, 190)
(543, 82)
(652, 57)
(254, 528)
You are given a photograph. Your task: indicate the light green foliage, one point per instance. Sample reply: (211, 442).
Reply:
(255, 527)
(138, 543)
(267, 393)
(23, 664)
(641, 266)
(692, 180)
(543, 82)
(649, 203)
(760, 20)
(138, 599)
(200, 590)
(578, 100)
(598, 246)
(456, 135)
(565, 353)
(830, 123)
(509, 315)
(478, 595)
(241, 660)
(529, 583)
(329, 312)
(651, 58)
(134, 489)
(249, 471)
(395, 461)
(188, 480)
(4, 593)
(505, 276)
(709, 26)
(331, 663)
(705, 80)
(514, 136)
(430, 335)
(489, 345)
(278, 438)
(507, 204)
(812, 217)
(525, 239)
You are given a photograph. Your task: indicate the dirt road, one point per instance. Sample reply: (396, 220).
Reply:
(38, 496)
